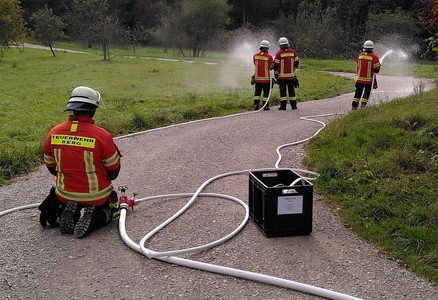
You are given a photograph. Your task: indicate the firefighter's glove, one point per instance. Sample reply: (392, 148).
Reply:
(273, 82)
(295, 82)
(253, 80)
(51, 209)
(114, 207)
(276, 75)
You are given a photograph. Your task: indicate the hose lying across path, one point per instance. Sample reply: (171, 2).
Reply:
(171, 256)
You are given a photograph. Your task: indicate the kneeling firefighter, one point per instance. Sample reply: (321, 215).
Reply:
(84, 159)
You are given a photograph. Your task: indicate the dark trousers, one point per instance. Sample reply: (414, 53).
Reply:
(362, 88)
(259, 88)
(286, 88)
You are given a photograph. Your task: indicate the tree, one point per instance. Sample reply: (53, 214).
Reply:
(313, 31)
(202, 21)
(91, 22)
(193, 24)
(137, 13)
(48, 27)
(11, 24)
(427, 18)
(391, 27)
(168, 32)
(257, 12)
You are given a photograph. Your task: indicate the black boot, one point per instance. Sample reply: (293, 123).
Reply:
(265, 107)
(282, 105)
(354, 105)
(51, 209)
(94, 217)
(69, 217)
(256, 104)
(293, 104)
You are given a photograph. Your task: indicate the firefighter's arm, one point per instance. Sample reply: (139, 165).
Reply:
(274, 66)
(52, 170)
(113, 174)
(296, 62)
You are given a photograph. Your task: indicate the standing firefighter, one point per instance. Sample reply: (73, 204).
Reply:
(285, 62)
(368, 65)
(84, 159)
(261, 79)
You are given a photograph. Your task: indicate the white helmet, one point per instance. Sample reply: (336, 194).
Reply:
(368, 45)
(264, 44)
(83, 98)
(283, 42)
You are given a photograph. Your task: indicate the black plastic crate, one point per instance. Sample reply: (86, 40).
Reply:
(280, 202)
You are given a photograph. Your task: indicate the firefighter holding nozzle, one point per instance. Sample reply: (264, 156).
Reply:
(367, 65)
(261, 79)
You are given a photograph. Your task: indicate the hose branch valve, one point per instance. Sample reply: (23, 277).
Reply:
(123, 199)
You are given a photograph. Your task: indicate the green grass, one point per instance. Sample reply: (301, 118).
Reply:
(379, 168)
(138, 94)
(332, 65)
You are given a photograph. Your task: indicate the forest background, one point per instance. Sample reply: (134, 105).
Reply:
(315, 28)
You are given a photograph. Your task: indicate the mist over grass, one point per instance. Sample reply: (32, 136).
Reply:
(139, 93)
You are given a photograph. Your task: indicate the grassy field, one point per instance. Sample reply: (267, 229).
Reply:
(382, 180)
(138, 94)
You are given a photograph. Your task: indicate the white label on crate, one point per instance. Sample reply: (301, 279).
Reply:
(289, 205)
(270, 174)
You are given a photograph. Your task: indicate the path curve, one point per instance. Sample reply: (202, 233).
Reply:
(39, 263)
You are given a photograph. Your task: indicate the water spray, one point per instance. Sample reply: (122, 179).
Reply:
(385, 55)
(400, 54)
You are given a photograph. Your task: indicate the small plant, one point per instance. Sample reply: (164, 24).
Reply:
(419, 87)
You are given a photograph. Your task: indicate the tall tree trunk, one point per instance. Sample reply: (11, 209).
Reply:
(51, 49)
(104, 51)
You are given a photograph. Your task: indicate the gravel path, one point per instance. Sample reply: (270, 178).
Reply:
(39, 263)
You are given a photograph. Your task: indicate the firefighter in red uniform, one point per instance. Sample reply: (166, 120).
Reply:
(285, 62)
(84, 159)
(261, 79)
(368, 64)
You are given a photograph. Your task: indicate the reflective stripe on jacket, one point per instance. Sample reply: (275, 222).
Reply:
(286, 60)
(262, 62)
(367, 64)
(82, 154)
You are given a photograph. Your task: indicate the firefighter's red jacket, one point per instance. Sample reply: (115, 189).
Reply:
(287, 59)
(262, 62)
(367, 64)
(81, 153)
